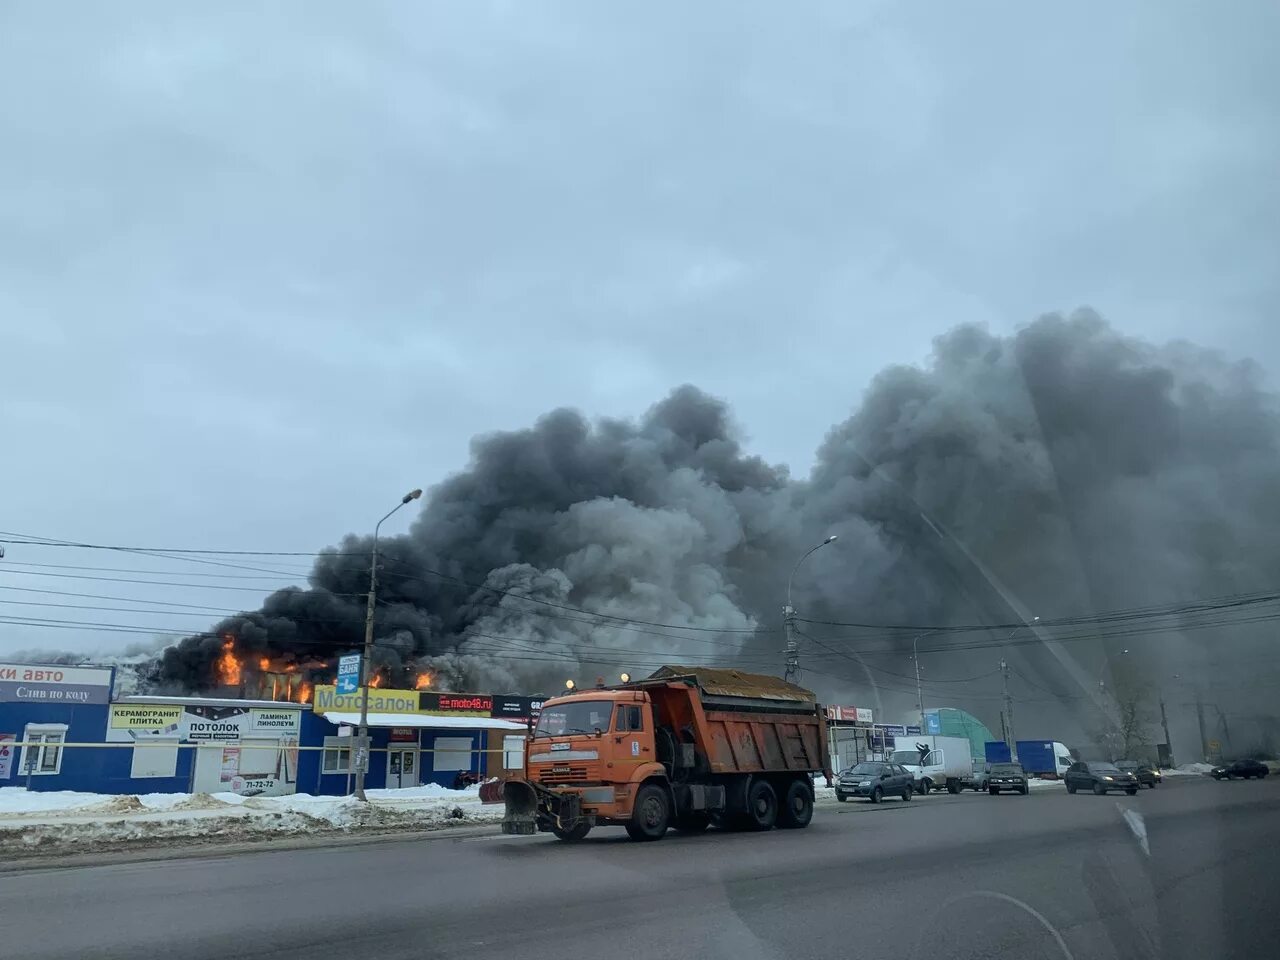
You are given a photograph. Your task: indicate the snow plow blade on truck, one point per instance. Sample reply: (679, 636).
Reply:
(682, 748)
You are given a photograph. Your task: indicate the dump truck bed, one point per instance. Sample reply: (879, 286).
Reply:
(741, 722)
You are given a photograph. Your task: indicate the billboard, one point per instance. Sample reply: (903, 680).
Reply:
(197, 723)
(50, 683)
(850, 714)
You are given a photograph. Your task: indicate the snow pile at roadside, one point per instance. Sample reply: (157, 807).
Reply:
(1188, 770)
(57, 821)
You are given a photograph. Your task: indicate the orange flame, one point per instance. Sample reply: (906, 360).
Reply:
(423, 682)
(290, 668)
(304, 692)
(375, 680)
(264, 664)
(228, 664)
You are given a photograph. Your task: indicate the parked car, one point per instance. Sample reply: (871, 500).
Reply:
(978, 779)
(1099, 777)
(1148, 776)
(1008, 777)
(1244, 769)
(875, 779)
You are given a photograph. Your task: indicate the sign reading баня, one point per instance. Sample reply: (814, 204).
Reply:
(51, 683)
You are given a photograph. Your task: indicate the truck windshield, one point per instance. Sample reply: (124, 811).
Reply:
(911, 757)
(582, 716)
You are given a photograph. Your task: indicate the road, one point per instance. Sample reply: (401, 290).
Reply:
(1048, 875)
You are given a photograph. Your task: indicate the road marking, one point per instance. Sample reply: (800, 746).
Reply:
(1139, 827)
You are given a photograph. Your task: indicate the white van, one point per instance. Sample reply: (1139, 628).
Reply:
(935, 762)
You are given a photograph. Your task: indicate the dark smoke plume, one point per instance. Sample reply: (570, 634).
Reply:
(1063, 471)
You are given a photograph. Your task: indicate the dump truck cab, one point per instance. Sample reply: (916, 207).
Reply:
(593, 749)
(660, 753)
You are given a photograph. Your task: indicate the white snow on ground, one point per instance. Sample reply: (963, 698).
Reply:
(1188, 770)
(66, 821)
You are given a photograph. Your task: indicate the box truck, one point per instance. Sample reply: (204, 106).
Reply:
(935, 762)
(1039, 758)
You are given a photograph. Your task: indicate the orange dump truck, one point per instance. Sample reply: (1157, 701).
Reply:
(680, 749)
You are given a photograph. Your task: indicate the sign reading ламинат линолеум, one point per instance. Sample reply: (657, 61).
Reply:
(49, 683)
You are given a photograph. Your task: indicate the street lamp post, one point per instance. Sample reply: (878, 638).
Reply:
(362, 748)
(789, 616)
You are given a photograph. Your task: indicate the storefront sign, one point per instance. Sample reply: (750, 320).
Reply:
(199, 722)
(380, 701)
(849, 714)
(49, 683)
(136, 721)
(404, 735)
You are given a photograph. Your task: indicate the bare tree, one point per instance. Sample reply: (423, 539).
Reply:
(1123, 732)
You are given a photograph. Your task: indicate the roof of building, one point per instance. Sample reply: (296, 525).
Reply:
(214, 701)
(718, 681)
(424, 721)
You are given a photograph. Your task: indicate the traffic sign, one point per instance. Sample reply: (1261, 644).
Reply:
(932, 723)
(348, 674)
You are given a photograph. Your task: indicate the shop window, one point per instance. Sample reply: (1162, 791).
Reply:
(154, 757)
(513, 752)
(43, 754)
(452, 753)
(337, 755)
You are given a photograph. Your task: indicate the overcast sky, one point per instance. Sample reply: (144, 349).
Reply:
(263, 271)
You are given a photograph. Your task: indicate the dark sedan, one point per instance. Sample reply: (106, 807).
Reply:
(875, 780)
(1007, 776)
(1244, 769)
(1099, 777)
(1148, 776)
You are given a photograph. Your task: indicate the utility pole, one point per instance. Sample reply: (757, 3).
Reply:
(1008, 712)
(1164, 722)
(792, 670)
(1204, 740)
(793, 649)
(915, 656)
(360, 754)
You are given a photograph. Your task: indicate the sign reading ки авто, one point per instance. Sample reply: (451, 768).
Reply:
(48, 683)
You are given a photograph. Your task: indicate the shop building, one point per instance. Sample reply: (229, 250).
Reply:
(416, 737)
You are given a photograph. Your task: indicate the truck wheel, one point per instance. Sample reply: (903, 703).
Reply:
(574, 834)
(652, 814)
(953, 788)
(876, 795)
(797, 806)
(692, 823)
(762, 807)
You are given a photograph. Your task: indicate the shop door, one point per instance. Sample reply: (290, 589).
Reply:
(403, 769)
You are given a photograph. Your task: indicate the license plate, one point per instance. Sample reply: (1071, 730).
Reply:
(559, 769)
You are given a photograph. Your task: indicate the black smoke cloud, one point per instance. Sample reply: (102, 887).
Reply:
(1066, 470)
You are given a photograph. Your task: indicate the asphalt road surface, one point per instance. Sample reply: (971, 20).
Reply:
(1186, 870)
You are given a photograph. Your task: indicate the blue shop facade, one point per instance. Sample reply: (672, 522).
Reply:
(61, 728)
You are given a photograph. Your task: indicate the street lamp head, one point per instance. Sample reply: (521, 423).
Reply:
(832, 539)
(569, 684)
(411, 495)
